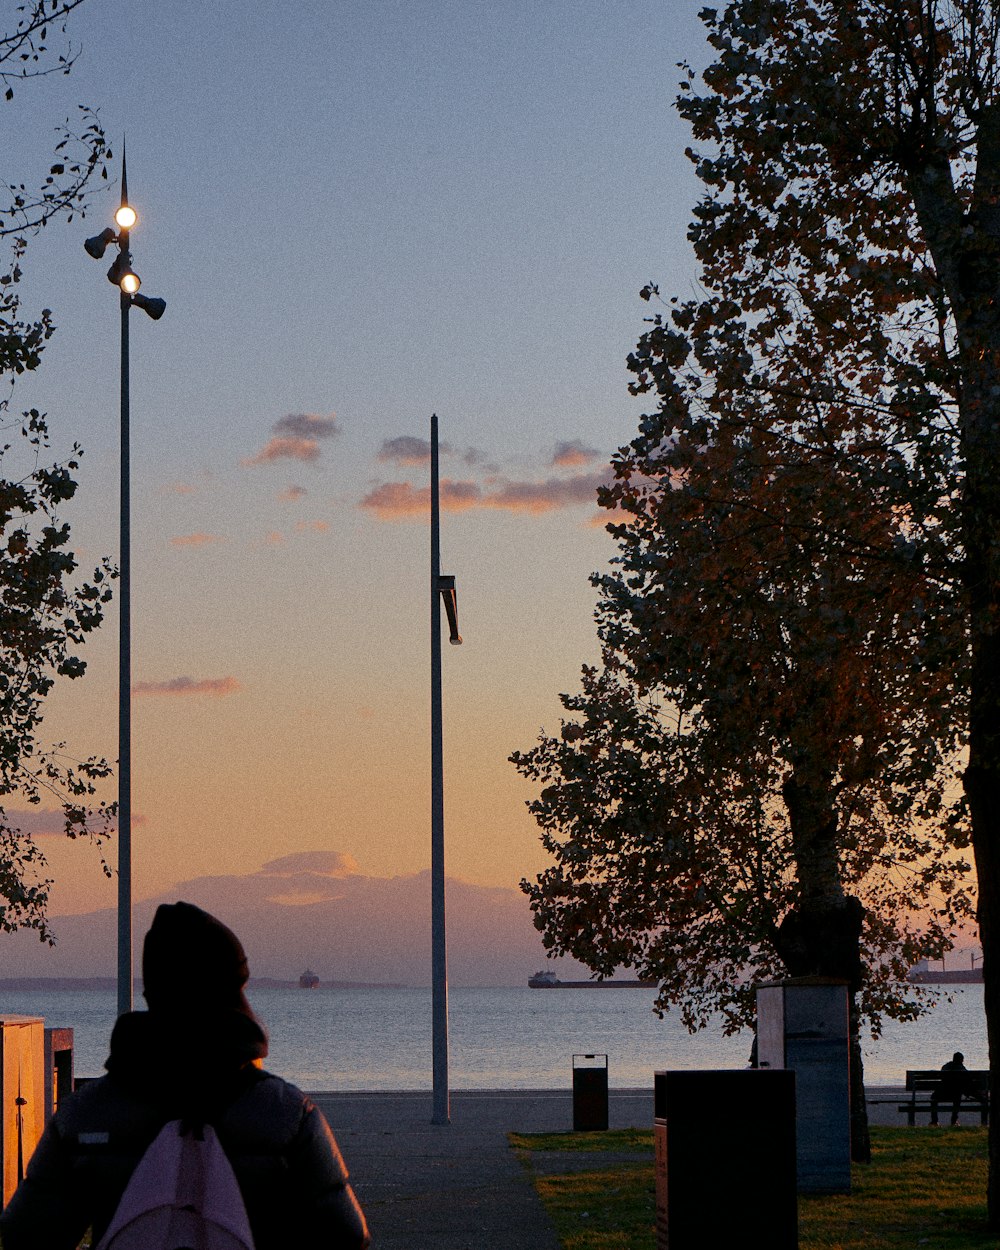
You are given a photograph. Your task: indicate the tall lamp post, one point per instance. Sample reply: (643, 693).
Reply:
(122, 275)
(442, 589)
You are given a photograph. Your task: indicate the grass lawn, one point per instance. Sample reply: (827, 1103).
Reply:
(924, 1187)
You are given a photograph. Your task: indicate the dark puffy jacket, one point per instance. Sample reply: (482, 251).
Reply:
(286, 1159)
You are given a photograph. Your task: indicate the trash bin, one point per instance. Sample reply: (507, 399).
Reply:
(590, 1094)
(22, 1096)
(725, 1159)
(58, 1069)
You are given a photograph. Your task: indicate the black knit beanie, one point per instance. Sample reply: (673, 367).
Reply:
(190, 960)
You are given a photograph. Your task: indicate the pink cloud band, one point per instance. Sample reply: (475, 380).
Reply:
(573, 455)
(295, 437)
(288, 448)
(195, 540)
(393, 501)
(215, 687)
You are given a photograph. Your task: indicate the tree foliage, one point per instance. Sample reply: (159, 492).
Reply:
(810, 520)
(771, 733)
(852, 159)
(27, 52)
(46, 612)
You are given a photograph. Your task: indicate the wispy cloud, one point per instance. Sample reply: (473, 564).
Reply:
(308, 877)
(178, 488)
(305, 449)
(214, 687)
(393, 501)
(408, 451)
(197, 539)
(609, 516)
(335, 864)
(35, 822)
(311, 527)
(573, 455)
(292, 494)
(274, 539)
(307, 425)
(42, 823)
(547, 496)
(296, 436)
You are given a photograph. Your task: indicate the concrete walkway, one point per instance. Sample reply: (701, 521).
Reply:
(460, 1186)
(456, 1186)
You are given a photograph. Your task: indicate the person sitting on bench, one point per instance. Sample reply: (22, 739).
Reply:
(952, 1087)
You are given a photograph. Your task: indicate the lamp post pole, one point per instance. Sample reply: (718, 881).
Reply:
(442, 590)
(127, 281)
(441, 1113)
(125, 992)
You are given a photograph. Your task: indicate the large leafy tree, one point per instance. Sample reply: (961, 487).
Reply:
(851, 155)
(757, 782)
(46, 612)
(848, 240)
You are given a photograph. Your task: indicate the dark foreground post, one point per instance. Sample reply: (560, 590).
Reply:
(725, 1160)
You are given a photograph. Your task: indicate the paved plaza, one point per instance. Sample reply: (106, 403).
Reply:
(457, 1186)
(460, 1186)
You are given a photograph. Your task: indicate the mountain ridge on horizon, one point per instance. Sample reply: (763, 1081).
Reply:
(315, 910)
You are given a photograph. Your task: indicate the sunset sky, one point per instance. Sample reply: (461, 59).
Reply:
(359, 212)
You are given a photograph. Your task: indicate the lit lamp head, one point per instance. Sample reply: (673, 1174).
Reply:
(122, 275)
(126, 217)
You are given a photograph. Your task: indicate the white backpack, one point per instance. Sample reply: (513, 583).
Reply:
(183, 1195)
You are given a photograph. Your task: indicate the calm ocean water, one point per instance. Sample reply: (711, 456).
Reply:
(501, 1038)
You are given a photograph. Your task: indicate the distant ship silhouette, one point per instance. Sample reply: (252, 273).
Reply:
(549, 981)
(923, 974)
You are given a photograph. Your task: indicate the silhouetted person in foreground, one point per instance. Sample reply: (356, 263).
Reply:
(194, 1055)
(952, 1087)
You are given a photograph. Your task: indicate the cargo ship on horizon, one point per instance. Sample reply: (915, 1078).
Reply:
(549, 981)
(923, 974)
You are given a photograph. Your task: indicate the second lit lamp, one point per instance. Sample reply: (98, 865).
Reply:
(121, 272)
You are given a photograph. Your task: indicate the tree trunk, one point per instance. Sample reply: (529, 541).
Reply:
(981, 533)
(822, 935)
(966, 251)
(861, 1145)
(982, 788)
(817, 941)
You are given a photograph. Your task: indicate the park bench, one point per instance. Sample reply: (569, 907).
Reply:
(921, 1084)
